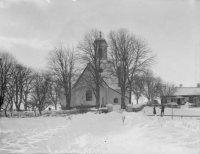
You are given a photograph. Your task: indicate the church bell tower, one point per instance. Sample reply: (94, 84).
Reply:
(101, 47)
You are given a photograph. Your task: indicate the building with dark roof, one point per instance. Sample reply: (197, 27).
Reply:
(185, 94)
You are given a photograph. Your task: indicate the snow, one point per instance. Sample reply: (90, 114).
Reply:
(117, 108)
(53, 107)
(138, 105)
(185, 111)
(102, 133)
(110, 107)
(186, 105)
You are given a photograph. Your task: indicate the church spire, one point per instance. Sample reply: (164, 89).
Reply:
(100, 35)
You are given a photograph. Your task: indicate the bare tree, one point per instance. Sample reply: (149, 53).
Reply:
(7, 62)
(54, 92)
(8, 101)
(91, 53)
(137, 87)
(9, 97)
(27, 86)
(7, 106)
(141, 59)
(17, 86)
(166, 90)
(151, 86)
(40, 91)
(129, 56)
(62, 66)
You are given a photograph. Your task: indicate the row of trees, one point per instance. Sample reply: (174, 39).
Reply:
(36, 89)
(128, 57)
(152, 87)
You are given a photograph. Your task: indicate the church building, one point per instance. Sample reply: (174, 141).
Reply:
(83, 93)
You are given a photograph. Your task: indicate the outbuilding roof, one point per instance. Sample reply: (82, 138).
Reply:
(192, 91)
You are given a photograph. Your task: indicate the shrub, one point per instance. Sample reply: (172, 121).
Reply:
(104, 110)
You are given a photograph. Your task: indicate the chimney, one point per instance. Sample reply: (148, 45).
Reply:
(180, 85)
(198, 85)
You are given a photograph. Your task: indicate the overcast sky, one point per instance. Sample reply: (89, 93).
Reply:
(30, 28)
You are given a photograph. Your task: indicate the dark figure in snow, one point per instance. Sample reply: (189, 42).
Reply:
(154, 110)
(49, 109)
(162, 110)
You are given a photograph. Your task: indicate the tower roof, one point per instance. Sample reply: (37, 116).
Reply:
(102, 40)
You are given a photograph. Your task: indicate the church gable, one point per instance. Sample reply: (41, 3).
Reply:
(85, 79)
(82, 92)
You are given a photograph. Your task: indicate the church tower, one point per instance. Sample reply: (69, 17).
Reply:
(101, 47)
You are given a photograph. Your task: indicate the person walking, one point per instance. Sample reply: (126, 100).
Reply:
(154, 110)
(162, 110)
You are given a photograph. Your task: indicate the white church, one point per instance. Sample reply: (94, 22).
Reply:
(82, 93)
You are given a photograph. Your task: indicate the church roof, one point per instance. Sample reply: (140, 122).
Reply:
(111, 82)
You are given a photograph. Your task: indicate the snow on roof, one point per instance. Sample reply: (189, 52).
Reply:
(187, 91)
(112, 82)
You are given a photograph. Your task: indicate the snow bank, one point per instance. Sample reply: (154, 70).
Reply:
(129, 107)
(187, 104)
(138, 107)
(109, 107)
(117, 108)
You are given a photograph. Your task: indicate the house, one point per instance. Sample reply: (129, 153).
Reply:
(83, 93)
(185, 94)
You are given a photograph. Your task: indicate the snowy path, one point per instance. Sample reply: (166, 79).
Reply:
(103, 133)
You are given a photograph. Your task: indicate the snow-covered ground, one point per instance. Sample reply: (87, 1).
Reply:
(101, 133)
(176, 111)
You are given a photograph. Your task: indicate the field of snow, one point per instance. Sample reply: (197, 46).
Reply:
(101, 133)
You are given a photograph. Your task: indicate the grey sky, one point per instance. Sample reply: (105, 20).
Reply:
(30, 28)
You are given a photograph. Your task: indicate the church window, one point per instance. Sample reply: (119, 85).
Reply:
(115, 100)
(100, 54)
(88, 95)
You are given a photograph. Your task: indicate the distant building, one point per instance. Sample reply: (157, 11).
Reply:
(185, 94)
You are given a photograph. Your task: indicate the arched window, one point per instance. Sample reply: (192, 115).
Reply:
(100, 54)
(88, 95)
(115, 100)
